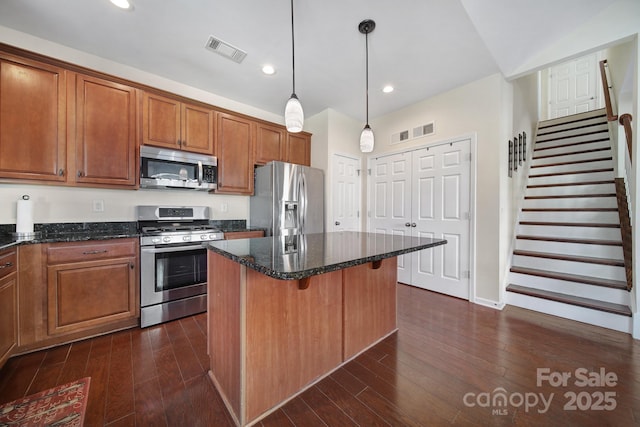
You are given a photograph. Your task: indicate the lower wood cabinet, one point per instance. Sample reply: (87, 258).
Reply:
(243, 234)
(91, 284)
(8, 304)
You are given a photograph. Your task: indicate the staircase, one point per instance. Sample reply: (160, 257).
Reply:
(568, 258)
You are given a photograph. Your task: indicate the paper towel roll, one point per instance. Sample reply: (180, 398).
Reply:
(24, 216)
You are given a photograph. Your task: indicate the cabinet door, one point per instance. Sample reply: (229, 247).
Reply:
(33, 120)
(105, 132)
(299, 149)
(87, 294)
(270, 144)
(8, 316)
(197, 129)
(160, 121)
(234, 148)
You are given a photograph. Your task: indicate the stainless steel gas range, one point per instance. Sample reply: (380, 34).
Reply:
(173, 261)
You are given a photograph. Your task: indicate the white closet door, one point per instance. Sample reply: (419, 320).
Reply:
(573, 87)
(390, 201)
(346, 193)
(440, 209)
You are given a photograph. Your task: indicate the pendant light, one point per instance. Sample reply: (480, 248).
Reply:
(293, 114)
(366, 137)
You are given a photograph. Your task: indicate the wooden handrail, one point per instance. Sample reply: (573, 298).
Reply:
(625, 121)
(606, 88)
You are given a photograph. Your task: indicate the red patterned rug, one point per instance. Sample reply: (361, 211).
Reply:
(61, 406)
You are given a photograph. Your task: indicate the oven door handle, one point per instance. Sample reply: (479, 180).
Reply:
(199, 172)
(165, 249)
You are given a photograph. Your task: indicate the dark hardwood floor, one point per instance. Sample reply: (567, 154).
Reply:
(449, 363)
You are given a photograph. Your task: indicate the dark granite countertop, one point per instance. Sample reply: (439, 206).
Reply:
(307, 255)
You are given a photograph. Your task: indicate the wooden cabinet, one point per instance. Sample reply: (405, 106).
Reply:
(243, 234)
(105, 137)
(167, 122)
(8, 304)
(90, 284)
(33, 121)
(299, 148)
(275, 143)
(234, 149)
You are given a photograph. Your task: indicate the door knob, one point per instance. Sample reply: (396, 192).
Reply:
(413, 224)
(337, 222)
(408, 224)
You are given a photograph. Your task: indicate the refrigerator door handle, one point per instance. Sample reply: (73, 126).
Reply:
(303, 203)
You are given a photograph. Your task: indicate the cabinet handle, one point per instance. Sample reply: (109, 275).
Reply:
(183, 143)
(131, 265)
(79, 173)
(337, 222)
(61, 172)
(7, 265)
(99, 251)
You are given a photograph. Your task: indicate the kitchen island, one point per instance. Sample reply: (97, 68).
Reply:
(284, 312)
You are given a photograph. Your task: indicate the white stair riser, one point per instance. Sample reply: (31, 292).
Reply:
(562, 150)
(577, 249)
(570, 157)
(571, 203)
(573, 143)
(571, 124)
(567, 190)
(586, 216)
(573, 133)
(603, 233)
(560, 120)
(570, 267)
(577, 177)
(570, 168)
(583, 290)
(593, 317)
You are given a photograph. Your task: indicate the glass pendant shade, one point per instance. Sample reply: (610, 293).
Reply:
(366, 140)
(293, 114)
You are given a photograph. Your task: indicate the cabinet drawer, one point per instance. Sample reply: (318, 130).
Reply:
(8, 262)
(59, 253)
(243, 235)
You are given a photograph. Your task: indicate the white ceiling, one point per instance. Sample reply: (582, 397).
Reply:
(422, 47)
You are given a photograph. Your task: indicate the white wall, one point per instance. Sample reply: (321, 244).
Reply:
(476, 108)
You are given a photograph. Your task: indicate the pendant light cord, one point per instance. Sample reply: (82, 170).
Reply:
(293, 51)
(366, 43)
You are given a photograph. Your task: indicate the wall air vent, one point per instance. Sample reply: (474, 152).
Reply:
(399, 137)
(225, 49)
(428, 129)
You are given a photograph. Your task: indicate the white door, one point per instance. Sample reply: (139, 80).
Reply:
(440, 209)
(573, 87)
(426, 193)
(390, 201)
(346, 193)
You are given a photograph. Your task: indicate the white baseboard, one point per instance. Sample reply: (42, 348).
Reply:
(489, 303)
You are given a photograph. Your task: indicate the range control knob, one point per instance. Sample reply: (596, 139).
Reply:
(155, 240)
(203, 237)
(166, 239)
(186, 238)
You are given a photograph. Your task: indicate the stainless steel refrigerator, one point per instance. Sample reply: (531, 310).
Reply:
(288, 199)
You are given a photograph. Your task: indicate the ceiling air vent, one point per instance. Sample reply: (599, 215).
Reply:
(428, 129)
(399, 137)
(225, 49)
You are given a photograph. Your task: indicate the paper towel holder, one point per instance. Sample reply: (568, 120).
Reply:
(24, 236)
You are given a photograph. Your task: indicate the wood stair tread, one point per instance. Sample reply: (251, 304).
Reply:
(571, 184)
(573, 258)
(574, 118)
(575, 162)
(566, 277)
(570, 240)
(569, 210)
(570, 136)
(571, 196)
(608, 307)
(573, 153)
(547, 130)
(571, 144)
(570, 224)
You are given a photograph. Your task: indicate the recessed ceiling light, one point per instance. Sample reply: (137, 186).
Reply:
(122, 4)
(268, 70)
(387, 89)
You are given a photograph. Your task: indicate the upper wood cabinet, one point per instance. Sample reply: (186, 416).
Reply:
(234, 149)
(275, 143)
(299, 148)
(105, 137)
(33, 121)
(167, 122)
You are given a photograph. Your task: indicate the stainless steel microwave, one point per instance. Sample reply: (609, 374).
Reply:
(166, 168)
